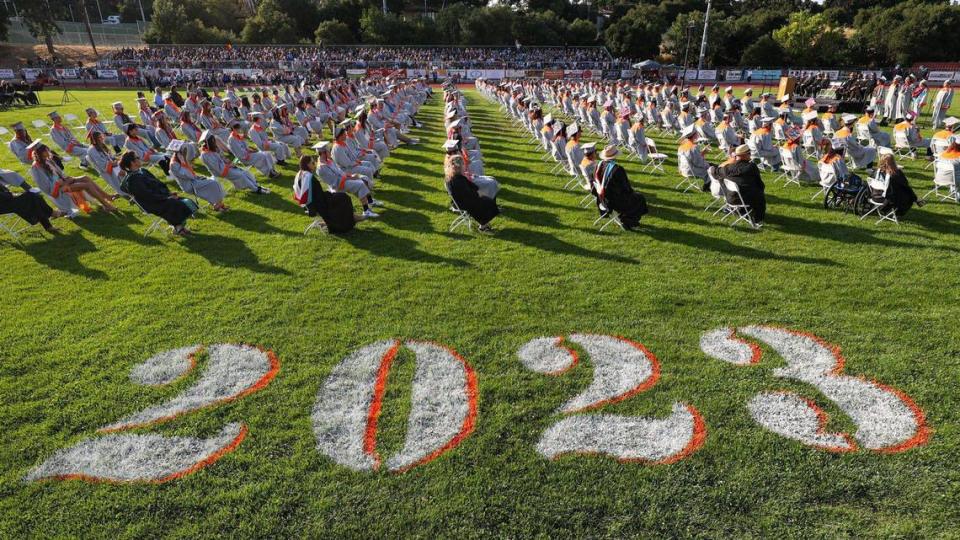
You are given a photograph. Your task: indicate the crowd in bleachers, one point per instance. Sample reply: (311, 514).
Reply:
(362, 57)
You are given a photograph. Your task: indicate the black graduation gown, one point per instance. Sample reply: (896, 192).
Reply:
(746, 176)
(620, 196)
(28, 205)
(899, 193)
(154, 197)
(465, 194)
(336, 209)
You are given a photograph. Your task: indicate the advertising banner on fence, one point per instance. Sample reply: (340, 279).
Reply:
(7, 74)
(940, 75)
(707, 75)
(132, 72)
(691, 75)
(516, 74)
(733, 75)
(107, 74)
(243, 72)
(553, 74)
(628, 73)
(872, 73)
(31, 73)
(458, 73)
(763, 74)
(68, 73)
(610, 74)
(573, 74)
(415, 73)
(534, 74)
(356, 73)
(386, 72)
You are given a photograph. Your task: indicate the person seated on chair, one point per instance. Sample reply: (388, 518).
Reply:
(792, 145)
(265, 162)
(94, 124)
(614, 192)
(55, 183)
(868, 119)
(913, 136)
(154, 197)
(339, 180)
(763, 143)
(690, 157)
(20, 145)
(900, 196)
(831, 153)
(64, 138)
(863, 156)
(334, 207)
(181, 169)
(727, 133)
(144, 150)
(163, 133)
(746, 175)
(104, 161)
(588, 165)
(488, 185)
(220, 167)
(261, 139)
(29, 205)
(466, 194)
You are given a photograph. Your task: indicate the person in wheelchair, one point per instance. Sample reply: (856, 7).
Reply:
(899, 195)
(466, 194)
(848, 185)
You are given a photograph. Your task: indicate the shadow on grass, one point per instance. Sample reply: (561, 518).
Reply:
(547, 242)
(228, 252)
(63, 253)
(250, 221)
(381, 244)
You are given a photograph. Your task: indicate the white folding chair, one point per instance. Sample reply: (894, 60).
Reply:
(155, 224)
(655, 158)
(463, 218)
(878, 202)
(16, 227)
(828, 177)
(901, 146)
(718, 196)
(74, 122)
(864, 136)
(4, 131)
(937, 147)
(316, 224)
(687, 182)
(739, 209)
(789, 168)
(611, 216)
(944, 177)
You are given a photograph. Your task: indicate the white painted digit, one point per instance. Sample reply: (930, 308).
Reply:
(621, 369)
(443, 412)
(886, 419)
(232, 371)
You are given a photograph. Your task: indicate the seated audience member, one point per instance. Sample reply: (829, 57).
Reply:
(218, 166)
(29, 205)
(863, 157)
(334, 207)
(900, 196)
(488, 185)
(690, 158)
(265, 162)
(63, 136)
(154, 197)
(143, 150)
(102, 159)
(181, 169)
(338, 180)
(54, 182)
(614, 192)
(466, 194)
(746, 175)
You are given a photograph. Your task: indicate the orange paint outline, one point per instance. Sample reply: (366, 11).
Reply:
(205, 462)
(755, 350)
(642, 386)
(822, 420)
(923, 431)
(469, 423)
(376, 404)
(576, 358)
(259, 385)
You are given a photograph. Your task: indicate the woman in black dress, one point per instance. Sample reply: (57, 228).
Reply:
(466, 194)
(900, 195)
(336, 209)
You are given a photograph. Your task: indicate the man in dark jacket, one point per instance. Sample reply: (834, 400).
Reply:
(614, 191)
(153, 195)
(745, 174)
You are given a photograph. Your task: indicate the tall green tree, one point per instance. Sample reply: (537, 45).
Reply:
(333, 33)
(765, 52)
(636, 34)
(687, 29)
(269, 25)
(582, 32)
(488, 26)
(448, 23)
(386, 28)
(810, 41)
(40, 17)
(4, 23)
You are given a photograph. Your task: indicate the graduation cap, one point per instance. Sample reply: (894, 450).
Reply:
(869, 110)
(158, 114)
(18, 126)
(848, 118)
(572, 130)
(949, 122)
(836, 144)
(359, 109)
(321, 146)
(91, 110)
(207, 134)
(812, 115)
(608, 103)
(451, 145)
(451, 114)
(785, 98)
(175, 145)
(884, 151)
(128, 127)
(748, 91)
(117, 104)
(728, 89)
(166, 95)
(54, 115)
(35, 145)
(456, 123)
(688, 130)
(589, 148)
(767, 120)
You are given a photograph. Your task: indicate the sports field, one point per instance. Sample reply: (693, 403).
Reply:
(82, 309)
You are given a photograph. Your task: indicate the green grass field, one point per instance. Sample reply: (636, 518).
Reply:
(81, 309)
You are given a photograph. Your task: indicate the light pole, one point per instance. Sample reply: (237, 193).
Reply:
(703, 42)
(142, 16)
(686, 52)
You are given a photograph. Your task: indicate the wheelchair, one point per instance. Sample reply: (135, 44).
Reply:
(851, 194)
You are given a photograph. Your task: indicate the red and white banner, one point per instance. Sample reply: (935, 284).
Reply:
(387, 72)
(553, 74)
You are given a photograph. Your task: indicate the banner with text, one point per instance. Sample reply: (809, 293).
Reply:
(940, 76)
(707, 75)
(107, 74)
(553, 74)
(7, 74)
(68, 73)
(733, 75)
(31, 73)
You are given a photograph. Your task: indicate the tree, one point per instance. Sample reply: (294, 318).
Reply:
(636, 34)
(269, 25)
(909, 32)
(810, 41)
(448, 25)
(306, 17)
(765, 52)
(333, 33)
(675, 40)
(488, 26)
(4, 23)
(385, 28)
(346, 11)
(539, 29)
(582, 32)
(40, 19)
